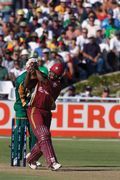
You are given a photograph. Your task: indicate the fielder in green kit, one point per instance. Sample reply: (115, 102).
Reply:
(22, 100)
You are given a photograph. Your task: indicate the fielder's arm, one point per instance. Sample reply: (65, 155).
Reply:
(27, 80)
(22, 95)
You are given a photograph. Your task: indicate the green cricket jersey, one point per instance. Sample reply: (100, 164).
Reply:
(21, 97)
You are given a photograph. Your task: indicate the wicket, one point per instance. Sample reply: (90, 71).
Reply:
(25, 145)
(12, 142)
(19, 143)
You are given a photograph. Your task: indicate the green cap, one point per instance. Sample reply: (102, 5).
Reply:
(43, 70)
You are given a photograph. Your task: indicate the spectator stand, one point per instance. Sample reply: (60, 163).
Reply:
(67, 27)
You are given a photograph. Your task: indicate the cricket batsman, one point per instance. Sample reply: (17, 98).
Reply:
(39, 114)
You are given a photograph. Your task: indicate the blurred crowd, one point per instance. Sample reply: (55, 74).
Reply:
(87, 92)
(84, 35)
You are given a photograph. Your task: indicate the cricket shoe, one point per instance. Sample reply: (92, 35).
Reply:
(15, 162)
(32, 166)
(38, 164)
(55, 166)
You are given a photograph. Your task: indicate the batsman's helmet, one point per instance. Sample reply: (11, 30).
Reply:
(43, 70)
(57, 69)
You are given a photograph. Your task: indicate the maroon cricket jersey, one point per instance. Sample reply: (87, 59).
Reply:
(44, 94)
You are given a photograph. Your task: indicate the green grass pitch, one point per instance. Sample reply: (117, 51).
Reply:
(71, 153)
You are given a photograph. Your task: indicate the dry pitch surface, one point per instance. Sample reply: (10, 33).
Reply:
(65, 173)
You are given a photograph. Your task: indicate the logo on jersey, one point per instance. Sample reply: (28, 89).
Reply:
(40, 89)
(54, 84)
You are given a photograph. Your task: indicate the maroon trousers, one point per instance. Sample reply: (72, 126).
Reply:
(40, 121)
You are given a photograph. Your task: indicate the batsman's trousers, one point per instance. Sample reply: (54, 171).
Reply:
(40, 121)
